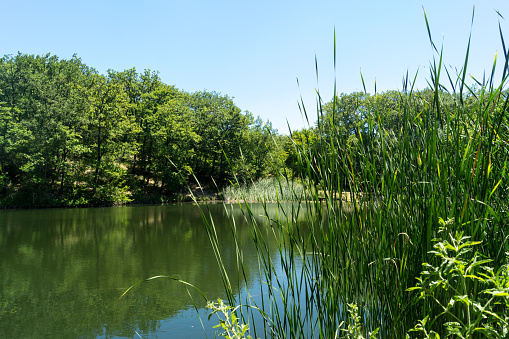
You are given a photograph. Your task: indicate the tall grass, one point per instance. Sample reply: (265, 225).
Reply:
(443, 169)
(265, 190)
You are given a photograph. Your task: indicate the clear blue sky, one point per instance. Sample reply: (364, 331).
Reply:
(254, 50)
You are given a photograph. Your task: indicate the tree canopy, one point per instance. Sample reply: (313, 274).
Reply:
(72, 136)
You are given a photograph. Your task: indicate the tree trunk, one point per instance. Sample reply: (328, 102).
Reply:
(62, 177)
(98, 161)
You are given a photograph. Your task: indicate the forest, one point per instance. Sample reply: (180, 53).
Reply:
(70, 136)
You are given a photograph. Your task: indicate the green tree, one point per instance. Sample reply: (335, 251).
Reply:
(220, 126)
(259, 150)
(108, 126)
(175, 138)
(299, 146)
(40, 123)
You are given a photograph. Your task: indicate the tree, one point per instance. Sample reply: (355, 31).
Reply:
(220, 126)
(106, 137)
(260, 149)
(41, 119)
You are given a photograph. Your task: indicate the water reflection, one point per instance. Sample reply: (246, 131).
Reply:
(62, 270)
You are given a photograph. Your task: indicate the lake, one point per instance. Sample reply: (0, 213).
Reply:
(63, 271)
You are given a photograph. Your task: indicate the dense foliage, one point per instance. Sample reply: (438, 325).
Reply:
(405, 186)
(72, 136)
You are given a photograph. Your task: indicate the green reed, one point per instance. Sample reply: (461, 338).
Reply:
(267, 189)
(442, 161)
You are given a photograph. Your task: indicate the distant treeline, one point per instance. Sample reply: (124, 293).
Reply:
(71, 136)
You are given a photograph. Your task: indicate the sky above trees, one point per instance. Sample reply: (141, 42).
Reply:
(255, 51)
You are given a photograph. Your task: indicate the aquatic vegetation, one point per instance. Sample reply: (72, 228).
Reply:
(265, 190)
(417, 165)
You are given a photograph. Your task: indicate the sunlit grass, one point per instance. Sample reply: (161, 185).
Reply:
(265, 190)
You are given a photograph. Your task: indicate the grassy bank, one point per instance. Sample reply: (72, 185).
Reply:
(432, 172)
(266, 190)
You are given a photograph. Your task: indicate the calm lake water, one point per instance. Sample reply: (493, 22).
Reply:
(62, 271)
